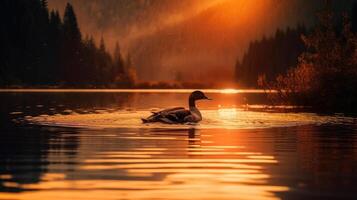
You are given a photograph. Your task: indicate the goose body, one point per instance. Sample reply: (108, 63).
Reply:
(179, 115)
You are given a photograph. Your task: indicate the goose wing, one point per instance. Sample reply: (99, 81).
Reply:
(169, 110)
(171, 116)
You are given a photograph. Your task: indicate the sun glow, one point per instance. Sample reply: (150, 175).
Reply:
(229, 91)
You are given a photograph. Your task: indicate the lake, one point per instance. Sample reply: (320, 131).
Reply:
(91, 144)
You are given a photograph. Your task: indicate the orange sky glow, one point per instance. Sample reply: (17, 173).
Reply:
(198, 39)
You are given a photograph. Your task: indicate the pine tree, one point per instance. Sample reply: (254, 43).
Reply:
(70, 25)
(40, 48)
(130, 73)
(118, 61)
(71, 49)
(105, 64)
(270, 56)
(55, 41)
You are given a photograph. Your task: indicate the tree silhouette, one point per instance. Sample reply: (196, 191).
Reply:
(55, 40)
(39, 48)
(270, 56)
(71, 49)
(118, 65)
(326, 74)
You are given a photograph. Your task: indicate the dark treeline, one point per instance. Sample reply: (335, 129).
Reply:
(273, 56)
(39, 47)
(270, 56)
(325, 77)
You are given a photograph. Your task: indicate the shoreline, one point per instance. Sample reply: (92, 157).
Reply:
(223, 91)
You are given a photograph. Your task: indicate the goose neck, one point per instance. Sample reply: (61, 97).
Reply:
(191, 103)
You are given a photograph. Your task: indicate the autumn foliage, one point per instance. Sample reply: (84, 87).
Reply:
(326, 74)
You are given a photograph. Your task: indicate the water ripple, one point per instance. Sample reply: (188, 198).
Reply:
(232, 118)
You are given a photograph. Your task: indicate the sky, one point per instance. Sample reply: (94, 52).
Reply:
(188, 39)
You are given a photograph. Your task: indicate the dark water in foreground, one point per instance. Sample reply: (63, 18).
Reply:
(93, 146)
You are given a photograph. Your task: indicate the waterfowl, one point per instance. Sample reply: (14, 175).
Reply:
(180, 115)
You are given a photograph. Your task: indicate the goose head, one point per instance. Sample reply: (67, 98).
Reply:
(197, 95)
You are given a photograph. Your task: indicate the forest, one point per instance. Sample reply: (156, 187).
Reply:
(40, 47)
(270, 56)
(275, 55)
(325, 76)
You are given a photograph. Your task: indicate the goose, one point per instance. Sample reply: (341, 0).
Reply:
(180, 115)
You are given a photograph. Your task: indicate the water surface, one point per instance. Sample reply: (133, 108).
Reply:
(91, 145)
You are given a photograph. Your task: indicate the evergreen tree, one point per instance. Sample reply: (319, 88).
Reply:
(130, 74)
(105, 64)
(70, 25)
(270, 56)
(38, 48)
(71, 50)
(55, 41)
(118, 64)
(87, 61)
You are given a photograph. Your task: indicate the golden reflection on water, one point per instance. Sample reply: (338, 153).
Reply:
(217, 164)
(110, 154)
(222, 118)
(227, 113)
